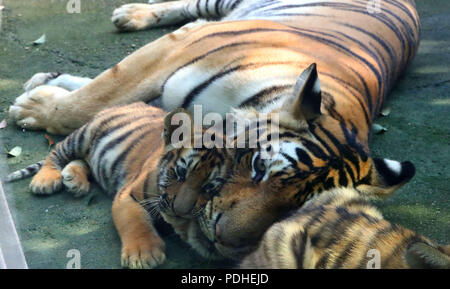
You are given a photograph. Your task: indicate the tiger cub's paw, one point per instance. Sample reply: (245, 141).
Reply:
(38, 79)
(143, 253)
(46, 182)
(75, 178)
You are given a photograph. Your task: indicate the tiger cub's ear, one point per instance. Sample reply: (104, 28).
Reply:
(386, 177)
(307, 96)
(178, 128)
(423, 256)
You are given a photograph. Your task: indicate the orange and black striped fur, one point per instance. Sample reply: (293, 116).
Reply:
(128, 151)
(348, 58)
(342, 230)
(120, 147)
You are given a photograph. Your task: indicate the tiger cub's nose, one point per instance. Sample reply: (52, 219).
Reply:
(185, 201)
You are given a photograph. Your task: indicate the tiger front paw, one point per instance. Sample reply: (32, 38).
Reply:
(46, 182)
(143, 253)
(35, 109)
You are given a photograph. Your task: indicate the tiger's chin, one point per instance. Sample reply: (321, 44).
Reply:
(211, 249)
(191, 232)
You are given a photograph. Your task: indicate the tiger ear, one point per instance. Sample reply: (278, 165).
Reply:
(178, 128)
(423, 256)
(386, 177)
(307, 98)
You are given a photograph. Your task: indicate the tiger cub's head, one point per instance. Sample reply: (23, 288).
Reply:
(340, 229)
(257, 185)
(189, 175)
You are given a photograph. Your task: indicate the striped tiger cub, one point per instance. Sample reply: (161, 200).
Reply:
(341, 229)
(120, 147)
(128, 151)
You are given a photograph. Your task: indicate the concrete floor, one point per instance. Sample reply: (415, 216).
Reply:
(86, 44)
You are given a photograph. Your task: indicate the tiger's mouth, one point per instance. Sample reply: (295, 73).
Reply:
(199, 231)
(208, 229)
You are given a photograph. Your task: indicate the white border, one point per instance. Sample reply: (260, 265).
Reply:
(11, 253)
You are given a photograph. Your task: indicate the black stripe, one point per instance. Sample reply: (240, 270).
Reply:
(256, 99)
(200, 57)
(401, 246)
(375, 238)
(298, 245)
(314, 149)
(122, 156)
(202, 86)
(304, 158)
(216, 7)
(235, 4)
(137, 133)
(339, 227)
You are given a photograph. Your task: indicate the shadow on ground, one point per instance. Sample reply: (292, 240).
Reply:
(86, 44)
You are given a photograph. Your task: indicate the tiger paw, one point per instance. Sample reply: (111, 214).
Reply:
(75, 178)
(39, 79)
(46, 182)
(132, 17)
(143, 253)
(35, 109)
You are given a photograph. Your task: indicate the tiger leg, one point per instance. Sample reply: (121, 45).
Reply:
(50, 178)
(75, 177)
(66, 81)
(133, 17)
(141, 245)
(138, 77)
(157, 1)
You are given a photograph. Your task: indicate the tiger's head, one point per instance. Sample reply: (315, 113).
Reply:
(253, 187)
(189, 175)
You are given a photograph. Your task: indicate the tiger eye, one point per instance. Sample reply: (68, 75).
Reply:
(259, 165)
(181, 173)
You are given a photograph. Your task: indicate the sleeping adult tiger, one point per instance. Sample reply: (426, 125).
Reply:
(251, 59)
(342, 230)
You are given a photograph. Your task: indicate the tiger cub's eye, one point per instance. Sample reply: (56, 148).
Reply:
(260, 169)
(181, 174)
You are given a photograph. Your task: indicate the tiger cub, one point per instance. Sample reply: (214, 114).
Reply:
(341, 229)
(121, 148)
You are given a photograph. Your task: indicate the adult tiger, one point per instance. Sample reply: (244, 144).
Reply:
(251, 58)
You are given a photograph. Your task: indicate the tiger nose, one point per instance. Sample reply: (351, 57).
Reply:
(185, 201)
(219, 236)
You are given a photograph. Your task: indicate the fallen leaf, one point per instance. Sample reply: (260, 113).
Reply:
(386, 111)
(15, 152)
(50, 140)
(3, 124)
(378, 129)
(40, 40)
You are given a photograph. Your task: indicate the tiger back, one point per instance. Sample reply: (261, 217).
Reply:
(341, 230)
